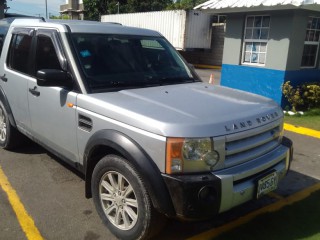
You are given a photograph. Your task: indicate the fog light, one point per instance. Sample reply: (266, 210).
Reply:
(207, 194)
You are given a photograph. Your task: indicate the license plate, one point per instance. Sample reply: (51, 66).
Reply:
(267, 184)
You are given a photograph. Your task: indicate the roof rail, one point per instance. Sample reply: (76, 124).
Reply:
(116, 23)
(9, 20)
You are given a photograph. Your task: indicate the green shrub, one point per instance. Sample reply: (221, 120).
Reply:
(293, 95)
(311, 95)
(304, 97)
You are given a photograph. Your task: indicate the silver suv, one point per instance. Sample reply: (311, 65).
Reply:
(123, 107)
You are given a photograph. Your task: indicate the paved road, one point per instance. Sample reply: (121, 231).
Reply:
(53, 195)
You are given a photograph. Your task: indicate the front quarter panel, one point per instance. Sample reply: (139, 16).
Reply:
(154, 145)
(136, 146)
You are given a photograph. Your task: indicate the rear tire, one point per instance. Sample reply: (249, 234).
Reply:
(10, 137)
(122, 200)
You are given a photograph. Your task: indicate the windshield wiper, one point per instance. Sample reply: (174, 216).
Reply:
(175, 80)
(151, 82)
(118, 85)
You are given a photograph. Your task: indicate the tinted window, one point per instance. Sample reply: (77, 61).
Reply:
(3, 33)
(46, 57)
(120, 61)
(20, 52)
(4, 27)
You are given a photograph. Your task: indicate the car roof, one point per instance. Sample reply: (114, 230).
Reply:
(80, 26)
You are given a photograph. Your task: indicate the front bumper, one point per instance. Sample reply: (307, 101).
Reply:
(200, 196)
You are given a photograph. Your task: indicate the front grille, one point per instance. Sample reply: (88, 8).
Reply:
(244, 148)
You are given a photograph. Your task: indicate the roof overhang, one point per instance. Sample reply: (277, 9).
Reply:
(232, 6)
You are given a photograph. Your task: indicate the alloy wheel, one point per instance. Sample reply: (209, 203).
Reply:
(118, 200)
(3, 126)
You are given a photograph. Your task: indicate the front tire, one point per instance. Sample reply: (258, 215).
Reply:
(122, 200)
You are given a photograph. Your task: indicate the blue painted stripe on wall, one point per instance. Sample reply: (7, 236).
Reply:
(262, 81)
(302, 76)
(265, 82)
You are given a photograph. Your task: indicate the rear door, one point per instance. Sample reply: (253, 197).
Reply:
(16, 74)
(52, 109)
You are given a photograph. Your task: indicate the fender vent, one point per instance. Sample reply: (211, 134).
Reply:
(85, 123)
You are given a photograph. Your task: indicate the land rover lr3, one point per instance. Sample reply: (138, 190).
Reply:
(123, 107)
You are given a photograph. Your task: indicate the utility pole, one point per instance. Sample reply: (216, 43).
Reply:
(46, 9)
(118, 4)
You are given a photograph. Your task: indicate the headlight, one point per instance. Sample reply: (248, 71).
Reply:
(190, 155)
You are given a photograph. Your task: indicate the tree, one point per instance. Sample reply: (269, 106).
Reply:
(147, 5)
(64, 17)
(185, 4)
(95, 8)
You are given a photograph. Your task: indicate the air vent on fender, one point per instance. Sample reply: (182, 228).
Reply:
(85, 123)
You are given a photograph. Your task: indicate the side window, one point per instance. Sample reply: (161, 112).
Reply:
(46, 56)
(19, 53)
(311, 43)
(2, 37)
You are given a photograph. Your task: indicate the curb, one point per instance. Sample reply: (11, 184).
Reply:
(301, 130)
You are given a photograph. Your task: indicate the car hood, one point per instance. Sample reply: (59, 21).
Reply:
(184, 110)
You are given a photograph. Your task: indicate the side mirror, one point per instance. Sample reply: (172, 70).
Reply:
(53, 78)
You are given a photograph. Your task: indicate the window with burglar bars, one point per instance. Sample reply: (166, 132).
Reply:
(255, 40)
(311, 43)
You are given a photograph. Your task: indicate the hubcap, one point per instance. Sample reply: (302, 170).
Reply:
(3, 126)
(118, 200)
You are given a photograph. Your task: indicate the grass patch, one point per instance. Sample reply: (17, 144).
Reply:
(300, 220)
(310, 119)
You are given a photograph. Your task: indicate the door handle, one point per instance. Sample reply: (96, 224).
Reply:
(34, 91)
(3, 78)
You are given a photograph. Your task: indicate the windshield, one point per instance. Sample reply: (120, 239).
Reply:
(113, 62)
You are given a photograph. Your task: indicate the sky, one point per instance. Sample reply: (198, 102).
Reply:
(35, 7)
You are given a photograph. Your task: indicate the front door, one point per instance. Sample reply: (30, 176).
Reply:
(53, 117)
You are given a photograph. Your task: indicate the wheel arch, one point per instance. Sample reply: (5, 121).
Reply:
(106, 142)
